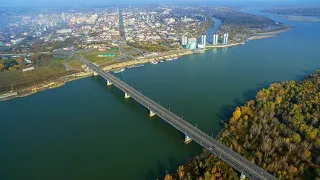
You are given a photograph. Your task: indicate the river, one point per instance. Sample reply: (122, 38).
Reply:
(86, 130)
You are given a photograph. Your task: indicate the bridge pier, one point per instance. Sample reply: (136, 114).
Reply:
(242, 176)
(126, 95)
(109, 83)
(151, 114)
(95, 73)
(187, 139)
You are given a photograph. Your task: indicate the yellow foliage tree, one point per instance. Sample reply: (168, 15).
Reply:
(307, 154)
(214, 170)
(236, 114)
(200, 164)
(168, 177)
(245, 110)
(287, 140)
(278, 100)
(181, 171)
(296, 138)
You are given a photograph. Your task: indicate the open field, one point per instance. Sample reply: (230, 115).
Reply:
(74, 63)
(93, 56)
(19, 78)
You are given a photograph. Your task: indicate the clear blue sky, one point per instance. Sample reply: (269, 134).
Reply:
(24, 3)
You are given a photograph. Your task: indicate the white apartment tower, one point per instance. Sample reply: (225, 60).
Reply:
(203, 39)
(225, 38)
(215, 39)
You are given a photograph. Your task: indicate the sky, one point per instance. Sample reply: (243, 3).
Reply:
(57, 3)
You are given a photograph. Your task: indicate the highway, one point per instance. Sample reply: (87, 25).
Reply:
(232, 158)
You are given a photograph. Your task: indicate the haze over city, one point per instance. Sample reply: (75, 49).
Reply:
(57, 3)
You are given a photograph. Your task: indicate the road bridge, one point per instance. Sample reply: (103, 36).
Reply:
(242, 165)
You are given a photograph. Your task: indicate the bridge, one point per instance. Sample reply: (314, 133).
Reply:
(247, 168)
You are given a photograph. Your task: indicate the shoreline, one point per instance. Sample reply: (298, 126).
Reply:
(301, 18)
(63, 80)
(260, 37)
(224, 45)
(267, 34)
(43, 87)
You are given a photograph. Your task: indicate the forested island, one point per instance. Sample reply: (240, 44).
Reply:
(240, 25)
(297, 11)
(278, 130)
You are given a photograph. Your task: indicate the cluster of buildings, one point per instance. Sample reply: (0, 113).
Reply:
(100, 28)
(225, 39)
(17, 28)
(92, 27)
(97, 26)
(143, 25)
(192, 43)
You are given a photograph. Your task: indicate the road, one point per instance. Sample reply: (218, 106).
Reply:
(24, 54)
(232, 158)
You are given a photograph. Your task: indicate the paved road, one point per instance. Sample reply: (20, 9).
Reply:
(235, 160)
(23, 54)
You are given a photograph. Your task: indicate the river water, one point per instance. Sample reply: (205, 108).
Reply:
(86, 130)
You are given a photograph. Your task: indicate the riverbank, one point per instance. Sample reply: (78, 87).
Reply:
(128, 64)
(224, 45)
(267, 34)
(301, 18)
(61, 81)
(42, 87)
(145, 60)
(260, 37)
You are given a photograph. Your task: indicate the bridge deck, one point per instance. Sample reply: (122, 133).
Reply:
(235, 160)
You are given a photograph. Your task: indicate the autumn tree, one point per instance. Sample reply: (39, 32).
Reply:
(236, 114)
(168, 177)
(181, 171)
(1, 66)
